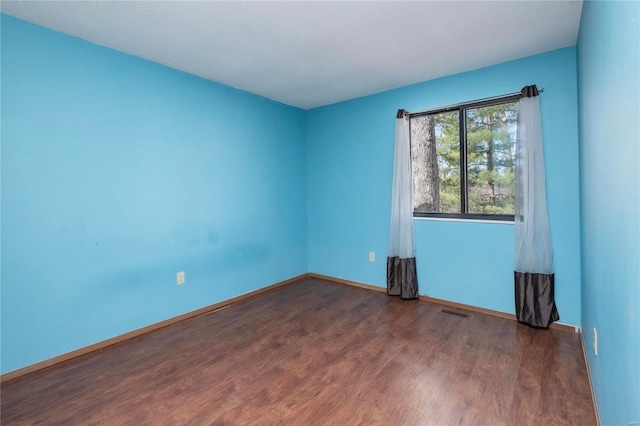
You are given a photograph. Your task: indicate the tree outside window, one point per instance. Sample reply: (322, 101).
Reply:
(463, 160)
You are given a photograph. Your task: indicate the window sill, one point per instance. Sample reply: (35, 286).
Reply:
(451, 219)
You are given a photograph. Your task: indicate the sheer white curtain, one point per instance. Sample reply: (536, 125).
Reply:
(401, 264)
(534, 275)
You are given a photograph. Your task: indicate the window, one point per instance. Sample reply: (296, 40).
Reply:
(462, 160)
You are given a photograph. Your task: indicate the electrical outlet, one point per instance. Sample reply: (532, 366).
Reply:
(372, 256)
(595, 342)
(180, 278)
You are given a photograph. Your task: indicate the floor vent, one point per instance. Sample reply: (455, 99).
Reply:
(458, 314)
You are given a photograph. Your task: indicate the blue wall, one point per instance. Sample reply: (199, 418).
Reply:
(116, 174)
(609, 74)
(350, 152)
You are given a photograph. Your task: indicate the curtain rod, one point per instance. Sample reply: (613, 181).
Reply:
(456, 106)
(540, 90)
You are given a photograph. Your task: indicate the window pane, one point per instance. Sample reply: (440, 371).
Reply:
(491, 151)
(435, 159)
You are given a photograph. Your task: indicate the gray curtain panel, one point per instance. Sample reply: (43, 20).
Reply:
(402, 278)
(534, 273)
(535, 300)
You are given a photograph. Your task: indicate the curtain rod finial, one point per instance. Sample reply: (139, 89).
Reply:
(529, 91)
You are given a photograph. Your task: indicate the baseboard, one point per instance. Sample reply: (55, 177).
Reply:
(121, 338)
(348, 282)
(586, 361)
(471, 308)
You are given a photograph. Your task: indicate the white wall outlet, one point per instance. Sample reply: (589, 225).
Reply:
(372, 256)
(180, 278)
(595, 342)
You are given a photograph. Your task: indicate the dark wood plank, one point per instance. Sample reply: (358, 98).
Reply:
(317, 352)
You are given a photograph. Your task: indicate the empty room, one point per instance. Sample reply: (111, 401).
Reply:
(322, 212)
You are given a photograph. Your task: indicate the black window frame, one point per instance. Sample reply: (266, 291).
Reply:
(462, 115)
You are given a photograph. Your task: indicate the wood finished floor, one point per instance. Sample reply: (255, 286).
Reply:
(316, 353)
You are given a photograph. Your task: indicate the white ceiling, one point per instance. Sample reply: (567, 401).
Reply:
(308, 53)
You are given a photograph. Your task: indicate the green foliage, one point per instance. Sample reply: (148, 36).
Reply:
(448, 148)
(490, 159)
